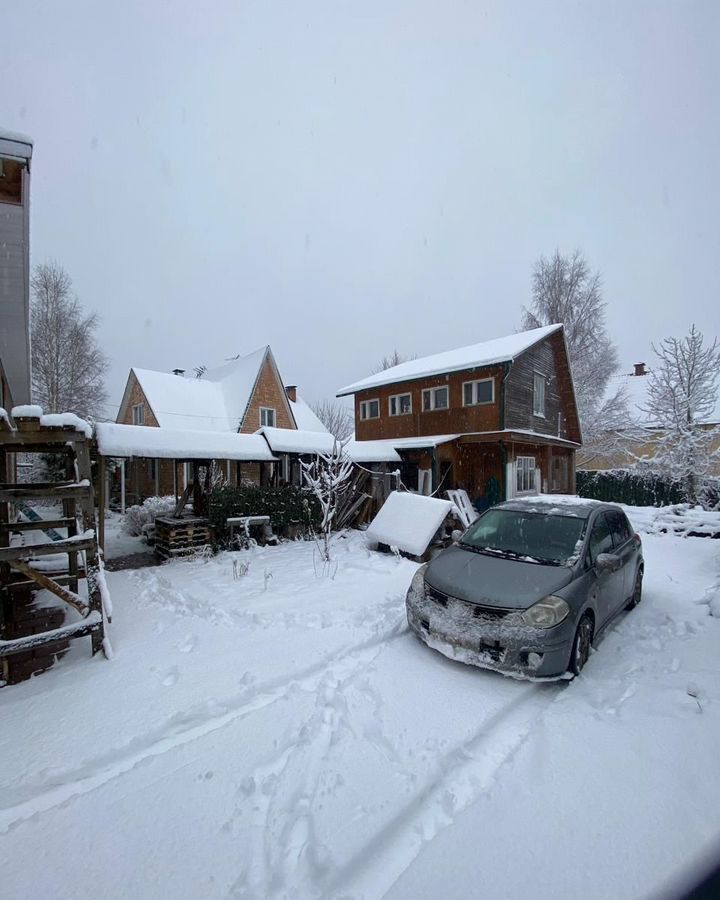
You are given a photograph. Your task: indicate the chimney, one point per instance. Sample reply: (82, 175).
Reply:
(640, 369)
(180, 372)
(291, 391)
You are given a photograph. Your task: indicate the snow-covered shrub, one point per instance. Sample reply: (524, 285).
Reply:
(136, 517)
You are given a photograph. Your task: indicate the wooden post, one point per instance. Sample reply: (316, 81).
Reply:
(122, 487)
(101, 502)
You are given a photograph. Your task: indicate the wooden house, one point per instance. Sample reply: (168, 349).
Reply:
(498, 419)
(209, 416)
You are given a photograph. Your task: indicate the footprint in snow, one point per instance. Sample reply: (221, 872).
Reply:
(171, 677)
(187, 644)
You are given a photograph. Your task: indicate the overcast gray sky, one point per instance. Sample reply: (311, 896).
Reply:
(338, 179)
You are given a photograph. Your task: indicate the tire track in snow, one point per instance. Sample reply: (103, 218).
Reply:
(462, 776)
(183, 729)
(283, 846)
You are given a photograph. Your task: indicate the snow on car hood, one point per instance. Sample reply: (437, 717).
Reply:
(492, 580)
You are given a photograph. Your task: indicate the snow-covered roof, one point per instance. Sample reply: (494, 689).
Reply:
(371, 451)
(12, 143)
(165, 443)
(290, 440)
(217, 401)
(421, 442)
(305, 418)
(408, 521)
(488, 353)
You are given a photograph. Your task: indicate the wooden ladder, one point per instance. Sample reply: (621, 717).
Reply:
(27, 434)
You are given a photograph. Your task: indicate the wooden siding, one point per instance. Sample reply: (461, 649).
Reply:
(548, 359)
(136, 395)
(457, 419)
(269, 392)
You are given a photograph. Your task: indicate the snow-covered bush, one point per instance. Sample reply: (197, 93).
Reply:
(136, 517)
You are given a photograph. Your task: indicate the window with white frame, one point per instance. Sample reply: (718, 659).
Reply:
(188, 473)
(539, 395)
(400, 404)
(476, 393)
(525, 474)
(435, 398)
(138, 414)
(267, 417)
(370, 409)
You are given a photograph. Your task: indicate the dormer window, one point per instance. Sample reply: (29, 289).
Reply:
(138, 414)
(267, 417)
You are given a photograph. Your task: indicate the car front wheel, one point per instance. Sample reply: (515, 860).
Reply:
(581, 644)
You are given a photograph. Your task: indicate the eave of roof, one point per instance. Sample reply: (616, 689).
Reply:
(474, 356)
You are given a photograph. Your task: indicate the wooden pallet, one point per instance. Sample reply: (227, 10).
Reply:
(180, 536)
(32, 637)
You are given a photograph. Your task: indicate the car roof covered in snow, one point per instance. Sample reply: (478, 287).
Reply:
(558, 505)
(487, 353)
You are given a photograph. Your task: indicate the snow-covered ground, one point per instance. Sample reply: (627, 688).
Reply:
(282, 735)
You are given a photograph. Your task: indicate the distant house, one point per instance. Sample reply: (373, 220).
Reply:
(498, 419)
(15, 158)
(244, 396)
(638, 442)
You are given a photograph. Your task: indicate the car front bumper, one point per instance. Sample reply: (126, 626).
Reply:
(517, 650)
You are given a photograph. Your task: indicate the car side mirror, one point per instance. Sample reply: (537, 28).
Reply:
(608, 562)
(456, 535)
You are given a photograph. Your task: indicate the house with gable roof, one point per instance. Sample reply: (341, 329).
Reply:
(242, 397)
(498, 419)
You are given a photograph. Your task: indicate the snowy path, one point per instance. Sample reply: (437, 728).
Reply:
(288, 737)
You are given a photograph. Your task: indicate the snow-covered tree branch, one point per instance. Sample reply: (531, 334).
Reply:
(328, 476)
(682, 394)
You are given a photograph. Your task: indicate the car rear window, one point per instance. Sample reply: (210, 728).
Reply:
(540, 537)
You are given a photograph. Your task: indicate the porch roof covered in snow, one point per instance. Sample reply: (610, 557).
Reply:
(517, 435)
(371, 451)
(120, 441)
(292, 440)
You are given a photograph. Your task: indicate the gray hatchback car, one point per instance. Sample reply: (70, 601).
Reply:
(529, 586)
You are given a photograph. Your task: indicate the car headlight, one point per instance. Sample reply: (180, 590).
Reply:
(417, 585)
(546, 613)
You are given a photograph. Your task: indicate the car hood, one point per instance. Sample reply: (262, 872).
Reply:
(492, 580)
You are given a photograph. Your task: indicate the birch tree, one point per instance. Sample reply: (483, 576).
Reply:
(68, 366)
(681, 399)
(565, 290)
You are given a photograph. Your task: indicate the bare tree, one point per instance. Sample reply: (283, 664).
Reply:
(68, 366)
(336, 417)
(328, 476)
(565, 290)
(392, 359)
(682, 394)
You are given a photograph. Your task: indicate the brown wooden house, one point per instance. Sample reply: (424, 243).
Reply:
(498, 419)
(241, 397)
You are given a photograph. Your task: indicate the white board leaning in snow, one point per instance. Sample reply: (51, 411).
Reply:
(408, 521)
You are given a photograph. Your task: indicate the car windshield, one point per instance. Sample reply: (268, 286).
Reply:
(533, 536)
